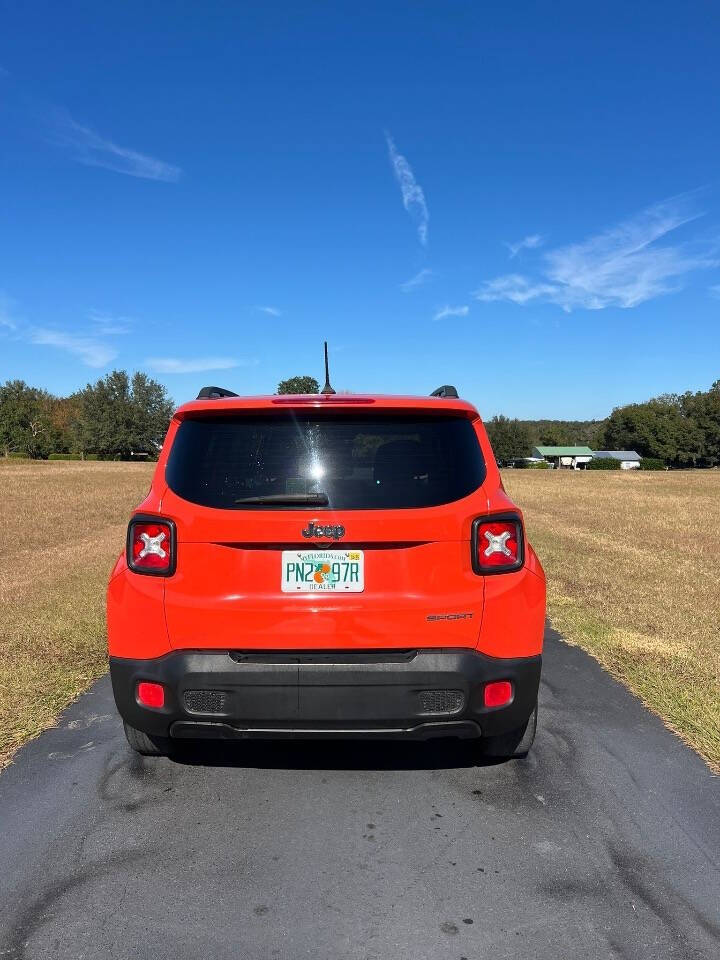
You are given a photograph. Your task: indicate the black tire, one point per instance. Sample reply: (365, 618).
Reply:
(145, 745)
(515, 744)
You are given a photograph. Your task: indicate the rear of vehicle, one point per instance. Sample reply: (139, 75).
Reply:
(327, 566)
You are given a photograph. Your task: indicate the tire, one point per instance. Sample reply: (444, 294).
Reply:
(515, 744)
(145, 745)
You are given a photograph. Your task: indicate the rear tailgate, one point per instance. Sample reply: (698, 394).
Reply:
(419, 588)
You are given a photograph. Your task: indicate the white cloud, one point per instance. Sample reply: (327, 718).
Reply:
(449, 311)
(271, 311)
(527, 243)
(6, 318)
(412, 194)
(88, 345)
(514, 287)
(417, 281)
(622, 267)
(197, 365)
(90, 351)
(105, 325)
(93, 150)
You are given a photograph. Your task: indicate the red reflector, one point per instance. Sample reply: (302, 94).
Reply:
(498, 693)
(150, 546)
(151, 694)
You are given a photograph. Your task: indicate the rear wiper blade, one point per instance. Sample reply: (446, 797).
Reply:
(316, 499)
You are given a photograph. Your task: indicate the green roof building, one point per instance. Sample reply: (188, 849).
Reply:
(565, 458)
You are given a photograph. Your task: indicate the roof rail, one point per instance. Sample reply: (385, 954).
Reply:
(447, 390)
(214, 393)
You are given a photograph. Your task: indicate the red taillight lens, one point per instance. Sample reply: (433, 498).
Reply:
(498, 693)
(497, 544)
(151, 694)
(151, 546)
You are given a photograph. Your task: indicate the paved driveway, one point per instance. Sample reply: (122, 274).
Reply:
(604, 843)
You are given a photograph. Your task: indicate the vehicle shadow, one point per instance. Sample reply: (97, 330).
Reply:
(441, 754)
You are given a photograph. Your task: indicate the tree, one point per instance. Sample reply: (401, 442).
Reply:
(119, 417)
(658, 429)
(704, 410)
(64, 417)
(152, 410)
(509, 438)
(25, 420)
(555, 435)
(12, 407)
(105, 416)
(299, 385)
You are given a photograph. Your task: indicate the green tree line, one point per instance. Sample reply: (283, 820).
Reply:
(122, 416)
(681, 430)
(117, 417)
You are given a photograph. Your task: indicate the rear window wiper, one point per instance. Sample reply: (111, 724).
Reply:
(315, 499)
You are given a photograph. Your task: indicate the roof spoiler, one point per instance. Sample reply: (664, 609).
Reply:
(214, 393)
(447, 390)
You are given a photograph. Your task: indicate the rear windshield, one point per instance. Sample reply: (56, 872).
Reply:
(297, 461)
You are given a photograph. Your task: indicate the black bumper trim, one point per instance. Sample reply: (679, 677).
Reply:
(324, 693)
(184, 729)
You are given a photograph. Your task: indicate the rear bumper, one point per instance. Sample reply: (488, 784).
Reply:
(416, 694)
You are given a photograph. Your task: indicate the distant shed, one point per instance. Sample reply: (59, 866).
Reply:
(629, 459)
(565, 458)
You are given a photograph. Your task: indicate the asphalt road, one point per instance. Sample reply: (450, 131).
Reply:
(604, 843)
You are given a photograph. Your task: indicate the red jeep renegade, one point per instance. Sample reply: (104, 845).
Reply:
(327, 566)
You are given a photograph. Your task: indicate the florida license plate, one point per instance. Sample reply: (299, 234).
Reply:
(308, 571)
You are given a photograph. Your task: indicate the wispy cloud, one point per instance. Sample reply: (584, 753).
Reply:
(106, 325)
(515, 288)
(93, 150)
(193, 365)
(527, 243)
(87, 343)
(449, 311)
(412, 194)
(92, 352)
(417, 281)
(271, 311)
(622, 267)
(6, 318)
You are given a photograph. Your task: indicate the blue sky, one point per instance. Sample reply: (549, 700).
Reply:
(521, 199)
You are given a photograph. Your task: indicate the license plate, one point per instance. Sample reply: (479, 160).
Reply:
(310, 571)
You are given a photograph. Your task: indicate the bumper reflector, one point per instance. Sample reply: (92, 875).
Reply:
(498, 693)
(151, 694)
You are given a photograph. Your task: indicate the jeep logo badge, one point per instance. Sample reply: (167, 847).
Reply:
(329, 532)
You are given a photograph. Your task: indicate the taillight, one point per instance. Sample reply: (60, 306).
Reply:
(151, 546)
(497, 544)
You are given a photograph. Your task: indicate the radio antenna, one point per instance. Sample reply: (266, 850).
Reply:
(327, 388)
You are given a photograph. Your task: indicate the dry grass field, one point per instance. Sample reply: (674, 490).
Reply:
(633, 571)
(632, 562)
(62, 524)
